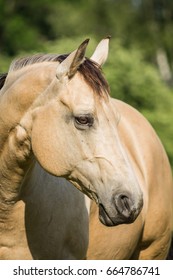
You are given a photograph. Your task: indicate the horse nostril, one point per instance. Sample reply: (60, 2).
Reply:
(124, 205)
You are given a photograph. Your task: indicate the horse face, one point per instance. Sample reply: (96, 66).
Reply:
(75, 136)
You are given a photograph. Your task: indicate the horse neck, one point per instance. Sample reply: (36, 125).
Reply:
(15, 159)
(21, 89)
(15, 145)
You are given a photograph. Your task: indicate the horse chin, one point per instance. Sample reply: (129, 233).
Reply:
(104, 217)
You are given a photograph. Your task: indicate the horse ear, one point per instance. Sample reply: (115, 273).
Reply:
(70, 65)
(101, 52)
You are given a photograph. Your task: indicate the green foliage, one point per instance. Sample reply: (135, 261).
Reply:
(27, 25)
(23, 25)
(4, 63)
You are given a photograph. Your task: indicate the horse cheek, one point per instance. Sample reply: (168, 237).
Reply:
(45, 144)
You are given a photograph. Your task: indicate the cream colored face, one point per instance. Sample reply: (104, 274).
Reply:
(75, 135)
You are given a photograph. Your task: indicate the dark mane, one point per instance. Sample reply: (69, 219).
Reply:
(90, 70)
(2, 79)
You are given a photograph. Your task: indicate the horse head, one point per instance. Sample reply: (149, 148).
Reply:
(75, 135)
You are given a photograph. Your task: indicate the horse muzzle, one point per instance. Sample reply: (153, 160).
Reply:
(123, 210)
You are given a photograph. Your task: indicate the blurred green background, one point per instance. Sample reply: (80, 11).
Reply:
(140, 64)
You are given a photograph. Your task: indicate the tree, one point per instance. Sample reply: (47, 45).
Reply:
(24, 25)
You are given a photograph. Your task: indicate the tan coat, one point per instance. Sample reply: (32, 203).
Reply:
(61, 116)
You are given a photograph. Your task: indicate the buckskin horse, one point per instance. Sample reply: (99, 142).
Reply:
(57, 119)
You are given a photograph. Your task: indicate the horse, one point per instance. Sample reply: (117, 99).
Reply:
(62, 122)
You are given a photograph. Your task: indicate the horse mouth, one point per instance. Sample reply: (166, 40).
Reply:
(117, 219)
(104, 217)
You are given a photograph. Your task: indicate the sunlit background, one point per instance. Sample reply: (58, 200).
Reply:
(140, 64)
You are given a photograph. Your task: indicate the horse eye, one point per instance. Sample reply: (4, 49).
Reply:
(83, 121)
